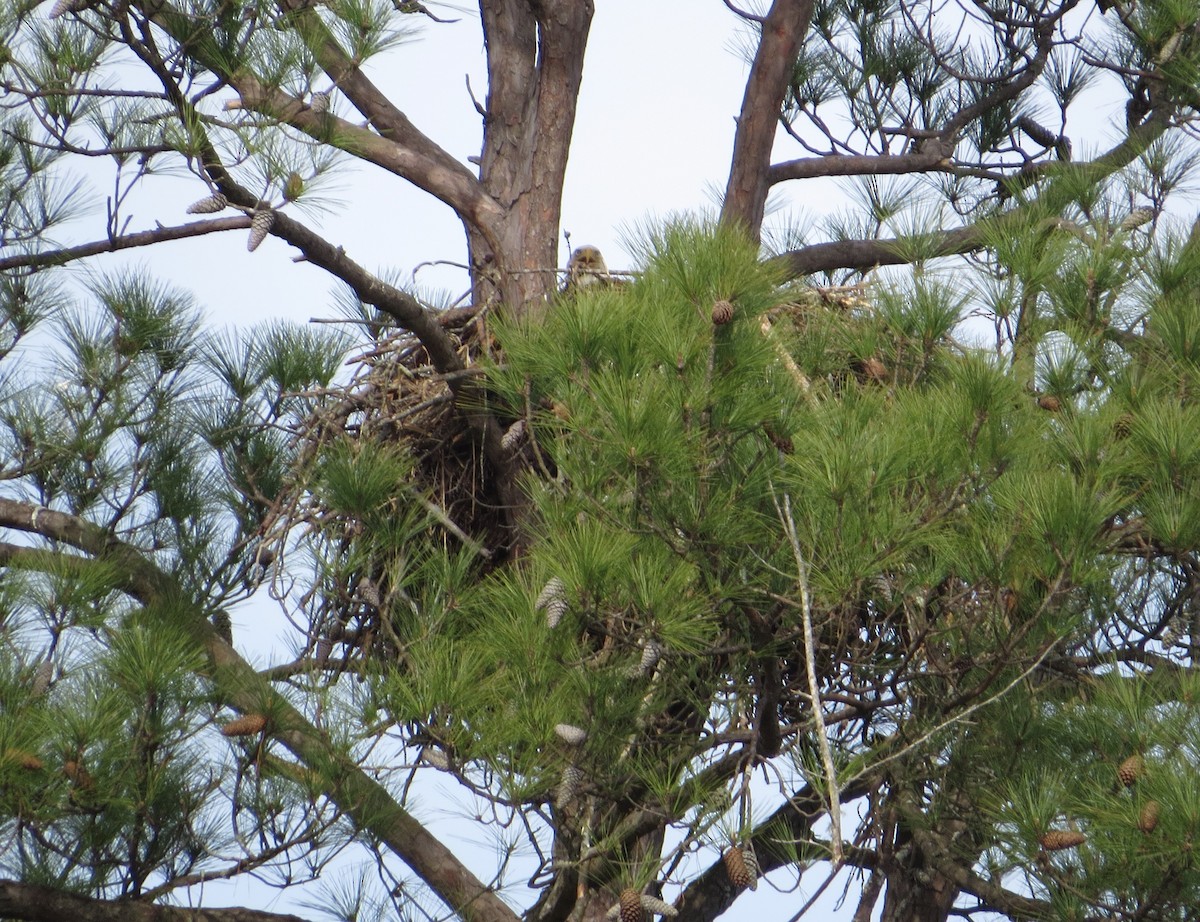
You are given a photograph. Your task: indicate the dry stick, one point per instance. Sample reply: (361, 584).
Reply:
(835, 807)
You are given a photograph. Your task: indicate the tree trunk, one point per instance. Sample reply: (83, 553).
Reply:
(783, 31)
(535, 54)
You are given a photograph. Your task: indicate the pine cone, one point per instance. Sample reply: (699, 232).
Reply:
(247, 725)
(260, 226)
(571, 734)
(1148, 818)
(739, 873)
(62, 7)
(1129, 771)
(1058, 839)
(1049, 402)
(568, 787)
(1123, 426)
(223, 626)
(26, 760)
(1137, 218)
(554, 589)
(873, 369)
(630, 906)
(79, 775)
(513, 436)
(319, 102)
(214, 203)
(42, 678)
(722, 313)
(651, 653)
(653, 904)
(634, 905)
(553, 598)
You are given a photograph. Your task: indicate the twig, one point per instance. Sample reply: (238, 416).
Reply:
(810, 664)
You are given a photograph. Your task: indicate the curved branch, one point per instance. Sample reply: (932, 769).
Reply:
(1058, 192)
(36, 903)
(371, 807)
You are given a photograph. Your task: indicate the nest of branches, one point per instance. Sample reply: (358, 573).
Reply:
(395, 398)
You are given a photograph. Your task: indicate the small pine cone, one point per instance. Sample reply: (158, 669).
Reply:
(42, 678)
(735, 866)
(571, 734)
(26, 760)
(1137, 218)
(722, 313)
(436, 758)
(1058, 839)
(1049, 402)
(80, 777)
(1148, 818)
(320, 102)
(652, 904)
(629, 909)
(555, 610)
(245, 726)
(568, 787)
(782, 442)
(652, 652)
(323, 650)
(369, 593)
(874, 370)
(554, 589)
(1173, 632)
(62, 7)
(1039, 134)
(513, 436)
(260, 226)
(294, 187)
(751, 860)
(553, 598)
(212, 204)
(1129, 771)
(1123, 426)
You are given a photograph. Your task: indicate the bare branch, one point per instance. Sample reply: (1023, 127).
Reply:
(160, 234)
(35, 903)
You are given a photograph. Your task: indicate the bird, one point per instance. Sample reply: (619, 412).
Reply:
(586, 268)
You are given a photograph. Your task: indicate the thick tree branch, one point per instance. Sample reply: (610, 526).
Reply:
(1057, 193)
(35, 903)
(364, 800)
(711, 893)
(924, 161)
(783, 31)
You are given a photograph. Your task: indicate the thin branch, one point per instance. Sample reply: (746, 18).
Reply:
(160, 234)
(814, 689)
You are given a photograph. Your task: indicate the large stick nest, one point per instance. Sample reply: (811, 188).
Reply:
(396, 397)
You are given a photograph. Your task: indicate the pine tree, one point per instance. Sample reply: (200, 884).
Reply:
(750, 564)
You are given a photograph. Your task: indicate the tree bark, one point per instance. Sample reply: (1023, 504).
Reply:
(35, 903)
(783, 31)
(535, 51)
